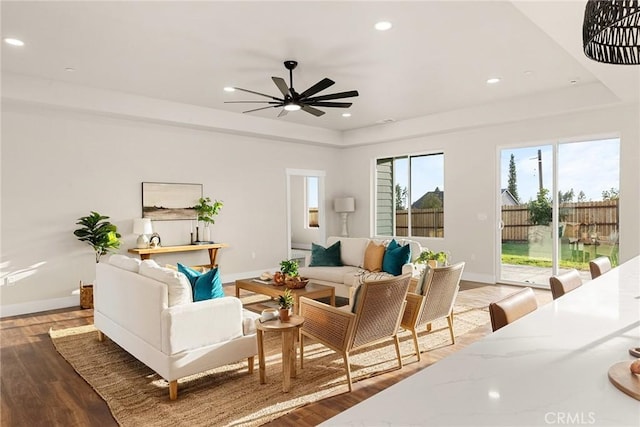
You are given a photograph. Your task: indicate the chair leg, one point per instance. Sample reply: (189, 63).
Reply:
(301, 351)
(347, 366)
(396, 341)
(450, 321)
(173, 390)
(250, 363)
(415, 342)
(428, 327)
(100, 336)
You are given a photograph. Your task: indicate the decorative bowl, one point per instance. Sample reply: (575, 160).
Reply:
(296, 282)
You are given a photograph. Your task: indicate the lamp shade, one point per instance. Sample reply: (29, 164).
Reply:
(611, 31)
(345, 204)
(142, 226)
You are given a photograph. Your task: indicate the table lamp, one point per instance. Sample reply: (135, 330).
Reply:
(344, 206)
(142, 227)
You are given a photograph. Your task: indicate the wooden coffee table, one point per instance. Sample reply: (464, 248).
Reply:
(312, 290)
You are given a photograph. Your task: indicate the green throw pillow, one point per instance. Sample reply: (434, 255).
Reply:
(395, 257)
(326, 257)
(204, 285)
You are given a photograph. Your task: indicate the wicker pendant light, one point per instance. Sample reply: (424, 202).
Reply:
(611, 31)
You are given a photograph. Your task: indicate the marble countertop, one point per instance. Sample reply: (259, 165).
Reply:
(548, 368)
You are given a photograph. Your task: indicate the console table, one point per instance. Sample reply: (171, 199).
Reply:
(145, 253)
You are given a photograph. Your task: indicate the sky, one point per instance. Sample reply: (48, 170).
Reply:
(591, 167)
(427, 173)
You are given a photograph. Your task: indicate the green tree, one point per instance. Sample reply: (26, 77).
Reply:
(582, 197)
(566, 197)
(540, 209)
(513, 185)
(401, 198)
(611, 194)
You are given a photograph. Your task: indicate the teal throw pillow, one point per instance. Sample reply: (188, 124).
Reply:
(326, 257)
(204, 285)
(395, 257)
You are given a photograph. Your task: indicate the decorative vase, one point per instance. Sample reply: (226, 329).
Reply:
(284, 314)
(206, 233)
(432, 263)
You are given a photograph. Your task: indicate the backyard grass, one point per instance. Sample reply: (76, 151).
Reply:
(515, 253)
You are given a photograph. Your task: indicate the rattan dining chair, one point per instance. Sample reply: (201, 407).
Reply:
(512, 307)
(599, 266)
(376, 315)
(564, 283)
(439, 288)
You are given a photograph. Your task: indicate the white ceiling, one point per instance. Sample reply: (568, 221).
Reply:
(436, 58)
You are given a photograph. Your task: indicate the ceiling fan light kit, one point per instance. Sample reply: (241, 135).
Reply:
(293, 101)
(611, 31)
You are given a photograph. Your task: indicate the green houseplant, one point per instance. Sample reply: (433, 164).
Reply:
(285, 302)
(99, 233)
(207, 210)
(432, 258)
(289, 267)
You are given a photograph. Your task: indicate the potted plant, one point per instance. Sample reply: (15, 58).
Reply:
(99, 233)
(285, 302)
(206, 211)
(432, 258)
(288, 269)
(103, 237)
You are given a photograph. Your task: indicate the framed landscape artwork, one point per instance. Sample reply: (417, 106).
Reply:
(166, 201)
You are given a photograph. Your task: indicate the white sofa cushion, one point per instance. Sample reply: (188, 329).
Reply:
(124, 262)
(328, 274)
(178, 286)
(351, 249)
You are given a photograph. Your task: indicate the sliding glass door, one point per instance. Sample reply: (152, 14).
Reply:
(558, 209)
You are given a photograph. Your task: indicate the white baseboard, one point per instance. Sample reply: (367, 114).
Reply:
(40, 305)
(482, 278)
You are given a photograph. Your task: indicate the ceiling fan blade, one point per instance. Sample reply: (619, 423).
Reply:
(338, 95)
(310, 109)
(283, 113)
(282, 85)
(331, 104)
(252, 102)
(258, 93)
(320, 86)
(258, 109)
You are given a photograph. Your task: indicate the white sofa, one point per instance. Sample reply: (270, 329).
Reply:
(149, 312)
(349, 275)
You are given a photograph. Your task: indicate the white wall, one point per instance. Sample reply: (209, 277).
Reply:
(58, 165)
(471, 179)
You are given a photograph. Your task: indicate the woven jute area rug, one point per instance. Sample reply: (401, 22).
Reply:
(230, 396)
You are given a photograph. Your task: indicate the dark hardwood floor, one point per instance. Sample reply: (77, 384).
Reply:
(39, 388)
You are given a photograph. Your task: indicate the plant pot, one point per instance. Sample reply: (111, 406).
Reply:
(278, 278)
(86, 295)
(284, 314)
(432, 263)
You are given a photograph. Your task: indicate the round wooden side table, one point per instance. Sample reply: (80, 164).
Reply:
(288, 330)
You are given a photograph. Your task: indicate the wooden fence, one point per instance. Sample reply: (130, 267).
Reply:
(578, 219)
(424, 223)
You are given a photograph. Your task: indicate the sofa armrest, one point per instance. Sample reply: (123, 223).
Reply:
(202, 323)
(409, 268)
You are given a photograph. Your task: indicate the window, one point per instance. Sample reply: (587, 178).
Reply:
(410, 196)
(311, 209)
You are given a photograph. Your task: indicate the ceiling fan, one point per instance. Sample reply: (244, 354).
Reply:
(293, 101)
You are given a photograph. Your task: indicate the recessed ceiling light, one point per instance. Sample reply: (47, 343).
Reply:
(229, 89)
(70, 69)
(574, 81)
(528, 73)
(346, 114)
(493, 80)
(13, 42)
(385, 121)
(383, 25)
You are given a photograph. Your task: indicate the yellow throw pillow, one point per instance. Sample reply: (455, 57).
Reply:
(373, 256)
